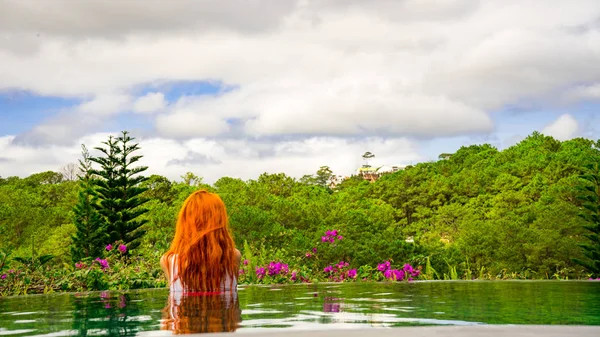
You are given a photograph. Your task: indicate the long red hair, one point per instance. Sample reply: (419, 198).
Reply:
(203, 244)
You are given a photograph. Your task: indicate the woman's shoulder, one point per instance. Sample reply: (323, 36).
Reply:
(166, 259)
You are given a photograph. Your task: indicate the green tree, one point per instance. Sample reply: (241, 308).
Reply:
(90, 235)
(590, 197)
(323, 176)
(119, 190)
(191, 179)
(159, 188)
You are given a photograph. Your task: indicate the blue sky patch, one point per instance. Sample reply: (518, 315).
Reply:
(135, 123)
(173, 90)
(21, 111)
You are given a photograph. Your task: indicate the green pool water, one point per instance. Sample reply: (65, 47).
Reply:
(304, 307)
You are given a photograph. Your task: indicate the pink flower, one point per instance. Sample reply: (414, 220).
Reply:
(3, 276)
(340, 237)
(276, 268)
(260, 272)
(11, 271)
(245, 262)
(79, 265)
(334, 232)
(314, 250)
(123, 249)
(328, 269)
(109, 247)
(103, 263)
(308, 255)
(293, 278)
(324, 239)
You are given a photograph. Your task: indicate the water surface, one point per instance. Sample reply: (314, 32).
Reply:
(304, 307)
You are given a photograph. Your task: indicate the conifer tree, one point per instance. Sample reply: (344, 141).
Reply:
(591, 203)
(119, 190)
(90, 234)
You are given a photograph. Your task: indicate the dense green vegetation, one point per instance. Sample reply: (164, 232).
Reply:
(477, 213)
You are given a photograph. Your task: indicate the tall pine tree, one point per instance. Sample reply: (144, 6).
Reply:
(90, 234)
(119, 190)
(591, 203)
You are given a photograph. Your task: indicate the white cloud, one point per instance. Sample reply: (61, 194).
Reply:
(564, 128)
(340, 107)
(188, 123)
(304, 68)
(150, 103)
(235, 158)
(584, 92)
(104, 105)
(411, 63)
(99, 18)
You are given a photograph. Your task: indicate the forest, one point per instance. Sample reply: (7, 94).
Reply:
(530, 211)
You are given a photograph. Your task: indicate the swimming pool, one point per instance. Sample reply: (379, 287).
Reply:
(305, 307)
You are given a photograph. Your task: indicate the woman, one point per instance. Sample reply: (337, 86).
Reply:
(202, 257)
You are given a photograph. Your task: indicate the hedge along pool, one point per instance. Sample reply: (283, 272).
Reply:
(305, 307)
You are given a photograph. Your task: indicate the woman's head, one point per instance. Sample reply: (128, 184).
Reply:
(203, 243)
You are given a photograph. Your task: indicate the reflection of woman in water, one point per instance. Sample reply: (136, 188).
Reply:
(201, 266)
(202, 313)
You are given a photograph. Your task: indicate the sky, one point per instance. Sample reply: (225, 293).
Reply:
(237, 88)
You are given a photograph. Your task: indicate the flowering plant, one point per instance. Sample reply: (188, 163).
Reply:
(407, 272)
(331, 235)
(340, 272)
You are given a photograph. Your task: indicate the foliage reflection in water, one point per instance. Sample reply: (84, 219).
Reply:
(304, 307)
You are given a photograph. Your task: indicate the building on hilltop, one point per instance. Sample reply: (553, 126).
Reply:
(334, 181)
(371, 173)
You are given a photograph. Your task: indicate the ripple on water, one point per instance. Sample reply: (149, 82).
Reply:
(5, 332)
(261, 312)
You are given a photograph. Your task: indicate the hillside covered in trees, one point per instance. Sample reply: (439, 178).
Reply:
(479, 212)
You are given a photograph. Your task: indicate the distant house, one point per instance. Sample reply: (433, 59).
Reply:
(335, 180)
(390, 169)
(371, 173)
